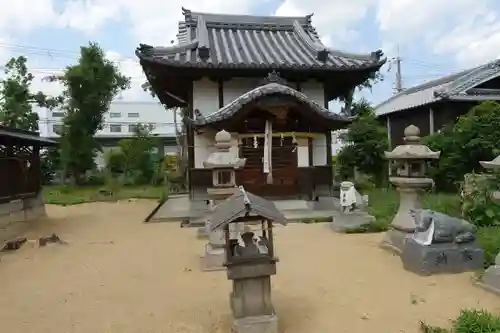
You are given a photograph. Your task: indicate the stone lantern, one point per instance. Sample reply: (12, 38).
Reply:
(250, 262)
(223, 163)
(491, 277)
(410, 180)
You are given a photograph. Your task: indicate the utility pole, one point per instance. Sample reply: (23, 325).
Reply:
(399, 79)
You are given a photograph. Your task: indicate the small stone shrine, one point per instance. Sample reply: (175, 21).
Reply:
(410, 180)
(441, 244)
(491, 277)
(351, 213)
(251, 262)
(223, 163)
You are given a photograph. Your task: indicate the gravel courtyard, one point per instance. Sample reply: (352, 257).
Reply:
(117, 274)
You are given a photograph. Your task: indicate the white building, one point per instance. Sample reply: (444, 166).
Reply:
(119, 122)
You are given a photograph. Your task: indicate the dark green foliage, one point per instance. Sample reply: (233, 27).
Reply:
(16, 99)
(469, 321)
(89, 87)
(473, 138)
(116, 162)
(134, 161)
(49, 164)
(489, 238)
(478, 205)
(366, 142)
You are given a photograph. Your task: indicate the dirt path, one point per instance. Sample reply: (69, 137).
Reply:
(119, 275)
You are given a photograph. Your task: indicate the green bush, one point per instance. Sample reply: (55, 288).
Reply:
(489, 239)
(367, 141)
(473, 138)
(469, 321)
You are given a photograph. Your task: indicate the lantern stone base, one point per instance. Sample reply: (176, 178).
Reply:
(202, 233)
(441, 257)
(214, 258)
(394, 240)
(343, 222)
(257, 324)
(491, 280)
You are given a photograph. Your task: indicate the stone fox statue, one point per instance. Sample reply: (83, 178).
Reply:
(447, 229)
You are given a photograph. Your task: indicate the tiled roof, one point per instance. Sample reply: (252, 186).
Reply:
(453, 87)
(230, 109)
(243, 41)
(244, 203)
(25, 136)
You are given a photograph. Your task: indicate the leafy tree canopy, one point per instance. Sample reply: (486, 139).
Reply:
(366, 141)
(89, 87)
(474, 137)
(16, 98)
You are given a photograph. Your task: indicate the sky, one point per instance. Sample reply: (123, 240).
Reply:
(432, 38)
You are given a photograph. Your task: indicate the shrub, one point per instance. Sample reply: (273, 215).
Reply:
(469, 321)
(366, 142)
(473, 138)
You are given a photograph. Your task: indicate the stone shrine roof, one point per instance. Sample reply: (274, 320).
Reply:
(242, 204)
(244, 41)
(233, 107)
(493, 164)
(413, 149)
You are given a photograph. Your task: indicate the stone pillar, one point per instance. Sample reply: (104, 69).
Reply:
(223, 163)
(491, 277)
(410, 181)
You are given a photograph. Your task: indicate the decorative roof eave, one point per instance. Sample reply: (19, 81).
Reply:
(232, 108)
(461, 88)
(242, 204)
(152, 57)
(324, 51)
(27, 136)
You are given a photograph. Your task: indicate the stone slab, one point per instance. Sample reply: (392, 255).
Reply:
(344, 222)
(441, 258)
(202, 233)
(258, 324)
(284, 205)
(491, 280)
(394, 241)
(213, 260)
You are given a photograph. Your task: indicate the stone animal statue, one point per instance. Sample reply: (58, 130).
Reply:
(447, 229)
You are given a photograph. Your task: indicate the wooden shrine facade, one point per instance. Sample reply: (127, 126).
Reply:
(20, 169)
(296, 122)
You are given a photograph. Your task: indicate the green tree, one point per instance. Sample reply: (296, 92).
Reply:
(89, 87)
(139, 163)
(473, 138)
(16, 98)
(366, 141)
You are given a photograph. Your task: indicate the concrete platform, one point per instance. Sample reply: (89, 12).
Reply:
(179, 208)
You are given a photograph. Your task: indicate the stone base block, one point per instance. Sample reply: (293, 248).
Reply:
(441, 258)
(345, 221)
(201, 233)
(214, 259)
(394, 241)
(258, 324)
(491, 279)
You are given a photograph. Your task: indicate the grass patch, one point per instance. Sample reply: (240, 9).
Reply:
(68, 195)
(469, 321)
(384, 203)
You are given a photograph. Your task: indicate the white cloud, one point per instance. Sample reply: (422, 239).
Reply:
(466, 30)
(25, 15)
(335, 22)
(87, 16)
(132, 69)
(152, 21)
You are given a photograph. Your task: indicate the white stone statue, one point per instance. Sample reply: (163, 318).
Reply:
(350, 199)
